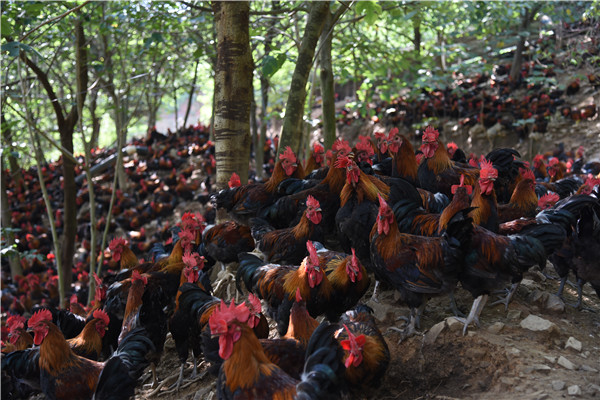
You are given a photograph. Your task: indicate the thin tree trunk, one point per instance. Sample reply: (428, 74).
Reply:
(15, 168)
(13, 256)
(327, 90)
(95, 119)
(191, 96)
(254, 130)
(515, 69)
(416, 20)
(175, 103)
(233, 90)
(291, 133)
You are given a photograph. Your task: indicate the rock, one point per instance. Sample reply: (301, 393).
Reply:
(537, 324)
(528, 283)
(539, 368)
(563, 362)
(587, 368)
(574, 344)
(454, 324)
(513, 314)
(539, 297)
(380, 310)
(537, 276)
(554, 304)
(475, 353)
(496, 327)
(574, 390)
(433, 333)
(552, 359)
(558, 385)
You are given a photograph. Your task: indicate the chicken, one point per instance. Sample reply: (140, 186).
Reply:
(484, 198)
(180, 325)
(197, 304)
(327, 192)
(288, 245)
(18, 337)
(316, 159)
(122, 254)
(289, 352)
(277, 284)
(523, 202)
(62, 374)
(418, 266)
(366, 354)
(244, 202)
(88, 343)
(240, 348)
(403, 162)
(437, 173)
(224, 241)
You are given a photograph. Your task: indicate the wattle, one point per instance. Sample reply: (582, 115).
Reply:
(289, 170)
(428, 149)
(486, 186)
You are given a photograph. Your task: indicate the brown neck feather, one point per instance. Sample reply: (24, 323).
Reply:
(55, 353)
(440, 160)
(405, 160)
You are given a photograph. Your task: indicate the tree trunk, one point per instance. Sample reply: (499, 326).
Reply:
(233, 90)
(95, 119)
(254, 129)
(416, 21)
(15, 168)
(327, 90)
(191, 96)
(291, 133)
(13, 256)
(526, 19)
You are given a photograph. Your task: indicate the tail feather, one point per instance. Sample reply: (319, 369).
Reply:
(258, 228)
(460, 227)
(551, 236)
(249, 263)
(193, 300)
(121, 372)
(323, 366)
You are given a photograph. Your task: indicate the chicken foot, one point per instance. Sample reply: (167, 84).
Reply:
(507, 299)
(579, 305)
(374, 296)
(454, 307)
(476, 309)
(413, 321)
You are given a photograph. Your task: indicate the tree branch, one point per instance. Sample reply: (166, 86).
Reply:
(53, 19)
(43, 77)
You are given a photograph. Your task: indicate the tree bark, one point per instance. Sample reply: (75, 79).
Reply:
(327, 90)
(291, 134)
(526, 19)
(15, 167)
(233, 90)
(191, 96)
(66, 126)
(13, 256)
(416, 21)
(95, 119)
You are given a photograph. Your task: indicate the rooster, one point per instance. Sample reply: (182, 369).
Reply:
(88, 343)
(18, 337)
(223, 242)
(366, 354)
(437, 172)
(63, 374)
(197, 305)
(316, 159)
(277, 284)
(523, 202)
(240, 348)
(244, 202)
(403, 162)
(418, 266)
(180, 324)
(484, 198)
(287, 246)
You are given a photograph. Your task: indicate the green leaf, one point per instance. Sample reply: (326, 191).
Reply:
(270, 66)
(12, 48)
(198, 53)
(5, 27)
(370, 9)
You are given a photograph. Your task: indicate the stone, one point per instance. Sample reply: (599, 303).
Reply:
(513, 314)
(538, 324)
(434, 332)
(528, 283)
(552, 359)
(574, 390)
(554, 304)
(475, 353)
(540, 368)
(587, 368)
(574, 344)
(537, 276)
(558, 385)
(563, 362)
(380, 310)
(454, 324)
(539, 297)
(496, 327)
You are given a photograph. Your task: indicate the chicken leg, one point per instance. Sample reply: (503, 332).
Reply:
(476, 309)
(413, 321)
(507, 299)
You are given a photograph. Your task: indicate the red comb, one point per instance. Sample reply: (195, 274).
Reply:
(117, 242)
(288, 154)
(135, 276)
(42, 315)
(430, 134)
(528, 174)
(312, 202)
(314, 258)
(469, 188)
(234, 181)
(102, 315)
(15, 322)
(342, 162)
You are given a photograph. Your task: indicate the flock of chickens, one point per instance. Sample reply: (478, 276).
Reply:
(307, 243)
